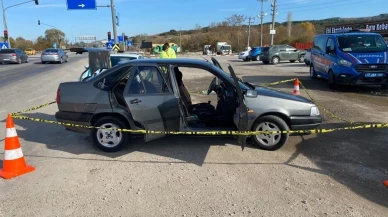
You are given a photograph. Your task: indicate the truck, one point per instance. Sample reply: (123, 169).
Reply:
(223, 48)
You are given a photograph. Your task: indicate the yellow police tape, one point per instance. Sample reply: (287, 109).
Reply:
(17, 115)
(214, 133)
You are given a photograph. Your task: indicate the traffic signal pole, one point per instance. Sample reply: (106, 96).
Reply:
(112, 7)
(4, 18)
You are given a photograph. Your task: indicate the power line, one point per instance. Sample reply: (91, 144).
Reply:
(312, 5)
(293, 3)
(331, 6)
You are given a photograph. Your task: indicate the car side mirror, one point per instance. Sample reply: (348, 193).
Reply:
(251, 93)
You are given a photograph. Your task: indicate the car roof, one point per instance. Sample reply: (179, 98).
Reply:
(179, 61)
(125, 55)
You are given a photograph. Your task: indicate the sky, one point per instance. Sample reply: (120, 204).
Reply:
(156, 16)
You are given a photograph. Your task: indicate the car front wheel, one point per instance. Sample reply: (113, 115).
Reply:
(109, 140)
(301, 59)
(270, 141)
(275, 60)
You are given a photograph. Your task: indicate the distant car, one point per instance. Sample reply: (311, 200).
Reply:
(114, 60)
(243, 55)
(141, 95)
(13, 55)
(30, 51)
(307, 57)
(54, 55)
(282, 52)
(254, 53)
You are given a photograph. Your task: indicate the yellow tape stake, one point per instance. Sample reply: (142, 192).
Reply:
(211, 133)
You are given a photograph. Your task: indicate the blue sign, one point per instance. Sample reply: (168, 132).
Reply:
(109, 45)
(81, 5)
(55, 45)
(129, 43)
(4, 45)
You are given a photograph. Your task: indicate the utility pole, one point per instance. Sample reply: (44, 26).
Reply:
(261, 16)
(180, 39)
(249, 29)
(273, 18)
(112, 7)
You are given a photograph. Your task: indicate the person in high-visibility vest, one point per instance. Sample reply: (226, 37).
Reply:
(164, 53)
(171, 53)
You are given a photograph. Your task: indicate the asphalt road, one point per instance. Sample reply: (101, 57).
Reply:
(334, 174)
(11, 73)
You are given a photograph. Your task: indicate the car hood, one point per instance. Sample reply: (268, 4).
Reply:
(367, 58)
(266, 91)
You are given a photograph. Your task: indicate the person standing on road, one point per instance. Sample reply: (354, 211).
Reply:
(171, 53)
(164, 53)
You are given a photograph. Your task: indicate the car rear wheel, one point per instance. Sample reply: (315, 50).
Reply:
(61, 61)
(270, 141)
(275, 60)
(19, 61)
(109, 140)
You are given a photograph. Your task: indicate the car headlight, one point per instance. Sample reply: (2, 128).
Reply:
(343, 62)
(314, 111)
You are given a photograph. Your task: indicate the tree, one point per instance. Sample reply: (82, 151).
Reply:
(22, 43)
(42, 43)
(54, 35)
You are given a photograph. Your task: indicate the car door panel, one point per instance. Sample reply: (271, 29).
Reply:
(242, 110)
(155, 111)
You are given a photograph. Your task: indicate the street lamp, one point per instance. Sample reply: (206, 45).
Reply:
(5, 20)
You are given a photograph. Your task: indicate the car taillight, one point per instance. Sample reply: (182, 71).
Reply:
(14, 54)
(55, 54)
(58, 99)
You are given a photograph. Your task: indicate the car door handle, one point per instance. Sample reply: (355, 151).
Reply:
(134, 101)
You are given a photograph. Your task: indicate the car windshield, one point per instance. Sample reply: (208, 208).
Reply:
(361, 43)
(116, 59)
(243, 84)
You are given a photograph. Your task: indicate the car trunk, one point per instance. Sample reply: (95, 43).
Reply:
(7, 54)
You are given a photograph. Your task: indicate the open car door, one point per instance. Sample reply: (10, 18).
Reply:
(242, 111)
(216, 63)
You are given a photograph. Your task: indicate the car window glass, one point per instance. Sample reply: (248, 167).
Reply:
(110, 80)
(148, 80)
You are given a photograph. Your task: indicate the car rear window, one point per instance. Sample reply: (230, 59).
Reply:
(7, 51)
(51, 50)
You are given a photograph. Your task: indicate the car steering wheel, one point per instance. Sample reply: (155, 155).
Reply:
(212, 86)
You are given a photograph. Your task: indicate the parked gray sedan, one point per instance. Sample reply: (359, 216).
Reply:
(54, 55)
(13, 55)
(149, 94)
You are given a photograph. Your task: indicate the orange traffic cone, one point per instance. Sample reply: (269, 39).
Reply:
(14, 163)
(296, 90)
(386, 183)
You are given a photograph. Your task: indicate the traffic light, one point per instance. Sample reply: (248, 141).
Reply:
(6, 35)
(109, 38)
(38, 22)
(36, 2)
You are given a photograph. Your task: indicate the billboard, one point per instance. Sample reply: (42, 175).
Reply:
(380, 27)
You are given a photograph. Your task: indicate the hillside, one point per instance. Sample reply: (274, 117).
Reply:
(234, 31)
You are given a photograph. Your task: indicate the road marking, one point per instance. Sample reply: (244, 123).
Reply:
(2, 111)
(36, 98)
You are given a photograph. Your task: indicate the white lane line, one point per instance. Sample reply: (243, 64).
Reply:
(36, 98)
(2, 111)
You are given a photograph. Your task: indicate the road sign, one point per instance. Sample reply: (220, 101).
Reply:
(55, 45)
(109, 46)
(116, 47)
(129, 43)
(81, 5)
(4, 45)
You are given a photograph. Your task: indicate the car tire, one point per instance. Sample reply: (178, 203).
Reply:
(254, 58)
(301, 59)
(67, 59)
(246, 59)
(275, 60)
(61, 61)
(19, 61)
(292, 61)
(265, 62)
(313, 74)
(270, 123)
(105, 144)
(331, 81)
